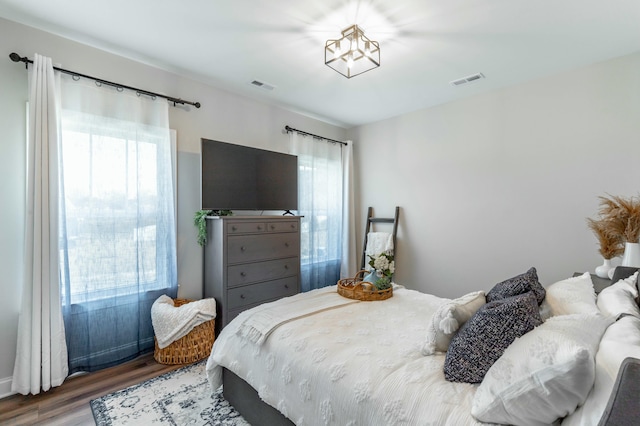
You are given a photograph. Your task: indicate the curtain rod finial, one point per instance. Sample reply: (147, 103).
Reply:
(15, 57)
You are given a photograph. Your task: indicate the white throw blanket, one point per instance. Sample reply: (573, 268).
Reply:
(269, 316)
(171, 322)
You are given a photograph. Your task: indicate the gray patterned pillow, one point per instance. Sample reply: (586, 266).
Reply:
(518, 285)
(482, 340)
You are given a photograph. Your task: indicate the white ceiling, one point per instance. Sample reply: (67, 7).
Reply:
(425, 44)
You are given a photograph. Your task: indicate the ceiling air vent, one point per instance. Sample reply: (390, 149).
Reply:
(263, 85)
(467, 79)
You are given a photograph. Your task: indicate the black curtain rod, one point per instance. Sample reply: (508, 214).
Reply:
(291, 129)
(17, 58)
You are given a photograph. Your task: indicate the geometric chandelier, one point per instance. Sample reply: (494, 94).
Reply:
(353, 53)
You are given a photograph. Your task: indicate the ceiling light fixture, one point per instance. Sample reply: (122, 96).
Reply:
(353, 53)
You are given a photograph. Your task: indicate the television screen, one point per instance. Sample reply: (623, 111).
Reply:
(236, 177)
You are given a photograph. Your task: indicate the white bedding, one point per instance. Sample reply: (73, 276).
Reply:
(374, 374)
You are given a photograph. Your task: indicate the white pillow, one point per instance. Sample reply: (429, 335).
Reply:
(543, 375)
(620, 298)
(574, 295)
(448, 318)
(621, 340)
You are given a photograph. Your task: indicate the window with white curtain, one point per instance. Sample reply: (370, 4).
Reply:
(320, 202)
(111, 197)
(117, 235)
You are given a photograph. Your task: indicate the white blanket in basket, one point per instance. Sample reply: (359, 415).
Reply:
(171, 322)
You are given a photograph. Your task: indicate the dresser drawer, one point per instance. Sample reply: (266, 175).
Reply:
(256, 293)
(252, 248)
(282, 226)
(246, 227)
(246, 273)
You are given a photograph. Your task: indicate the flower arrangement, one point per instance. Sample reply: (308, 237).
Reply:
(384, 267)
(618, 223)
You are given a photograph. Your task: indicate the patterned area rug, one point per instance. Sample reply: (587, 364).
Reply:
(180, 397)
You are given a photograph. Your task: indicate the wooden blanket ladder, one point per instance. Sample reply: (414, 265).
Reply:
(372, 220)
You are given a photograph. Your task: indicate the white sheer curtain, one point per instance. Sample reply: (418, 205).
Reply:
(41, 358)
(321, 198)
(348, 267)
(118, 240)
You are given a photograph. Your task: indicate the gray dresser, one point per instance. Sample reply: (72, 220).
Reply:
(249, 260)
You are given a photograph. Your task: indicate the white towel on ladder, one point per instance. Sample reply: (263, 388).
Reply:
(378, 242)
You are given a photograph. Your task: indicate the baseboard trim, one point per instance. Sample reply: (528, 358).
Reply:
(5, 387)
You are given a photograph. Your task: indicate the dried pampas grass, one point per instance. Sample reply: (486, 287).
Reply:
(619, 222)
(610, 242)
(624, 213)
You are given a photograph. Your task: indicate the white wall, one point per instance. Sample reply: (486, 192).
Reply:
(223, 116)
(494, 184)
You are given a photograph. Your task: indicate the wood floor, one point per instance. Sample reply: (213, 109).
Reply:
(68, 404)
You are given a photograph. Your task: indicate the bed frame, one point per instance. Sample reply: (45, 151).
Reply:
(246, 401)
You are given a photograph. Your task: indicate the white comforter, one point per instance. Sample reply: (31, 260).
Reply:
(358, 364)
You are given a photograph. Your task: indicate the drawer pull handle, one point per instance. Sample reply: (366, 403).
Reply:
(286, 286)
(273, 227)
(293, 226)
(259, 227)
(242, 248)
(243, 274)
(242, 296)
(286, 244)
(233, 228)
(286, 266)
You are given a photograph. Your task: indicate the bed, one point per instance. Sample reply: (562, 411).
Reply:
(319, 359)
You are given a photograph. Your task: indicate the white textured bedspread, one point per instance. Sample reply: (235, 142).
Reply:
(358, 364)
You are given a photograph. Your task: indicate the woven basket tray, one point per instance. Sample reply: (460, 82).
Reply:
(355, 288)
(191, 348)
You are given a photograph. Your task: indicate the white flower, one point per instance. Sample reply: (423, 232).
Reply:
(381, 263)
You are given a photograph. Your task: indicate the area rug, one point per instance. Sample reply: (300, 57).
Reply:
(180, 397)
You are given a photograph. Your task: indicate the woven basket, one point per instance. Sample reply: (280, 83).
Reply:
(188, 349)
(355, 288)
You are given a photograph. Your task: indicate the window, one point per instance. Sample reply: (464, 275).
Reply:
(320, 203)
(110, 222)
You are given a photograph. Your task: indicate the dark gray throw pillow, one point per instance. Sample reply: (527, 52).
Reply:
(519, 284)
(483, 339)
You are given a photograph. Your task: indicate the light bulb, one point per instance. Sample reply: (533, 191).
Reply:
(354, 47)
(338, 51)
(367, 49)
(350, 61)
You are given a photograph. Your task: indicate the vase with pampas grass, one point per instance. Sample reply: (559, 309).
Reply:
(618, 230)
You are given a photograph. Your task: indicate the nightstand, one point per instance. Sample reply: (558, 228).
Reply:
(599, 284)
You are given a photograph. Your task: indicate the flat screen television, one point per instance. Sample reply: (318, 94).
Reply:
(236, 177)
